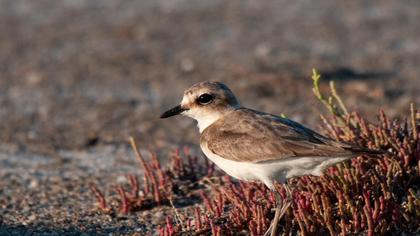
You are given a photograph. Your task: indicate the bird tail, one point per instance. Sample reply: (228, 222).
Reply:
(367, 151)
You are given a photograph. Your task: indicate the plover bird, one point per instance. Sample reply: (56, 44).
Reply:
(256, 146)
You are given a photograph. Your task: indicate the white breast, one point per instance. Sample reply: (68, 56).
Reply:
(239, 170)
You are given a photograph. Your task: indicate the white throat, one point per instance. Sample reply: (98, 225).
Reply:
(204, 119)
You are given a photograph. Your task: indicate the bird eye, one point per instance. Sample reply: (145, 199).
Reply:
(205, 99)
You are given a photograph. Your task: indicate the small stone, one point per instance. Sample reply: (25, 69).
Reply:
(187, 65)
(33, 184)
(262, 51)
(31, 218)
(33, 78)
(121, 179)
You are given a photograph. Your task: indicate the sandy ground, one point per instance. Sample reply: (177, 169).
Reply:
(77, 78)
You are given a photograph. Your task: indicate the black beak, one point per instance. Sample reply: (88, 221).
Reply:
(172, 112)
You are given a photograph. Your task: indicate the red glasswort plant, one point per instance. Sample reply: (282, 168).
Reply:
(160, 185)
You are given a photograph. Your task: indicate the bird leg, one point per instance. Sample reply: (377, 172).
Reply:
(277, 215)
(281, 208)
(288, 200)
(273, 226)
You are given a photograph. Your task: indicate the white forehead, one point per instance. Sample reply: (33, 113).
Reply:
(188, 99)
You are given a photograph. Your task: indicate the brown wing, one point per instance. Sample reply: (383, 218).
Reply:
(247, 135)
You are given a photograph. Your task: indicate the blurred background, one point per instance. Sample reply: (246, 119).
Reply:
(77, 78)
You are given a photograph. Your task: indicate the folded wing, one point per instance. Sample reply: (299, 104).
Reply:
(250, 136)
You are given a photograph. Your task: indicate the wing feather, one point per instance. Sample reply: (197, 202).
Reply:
(251, 136)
